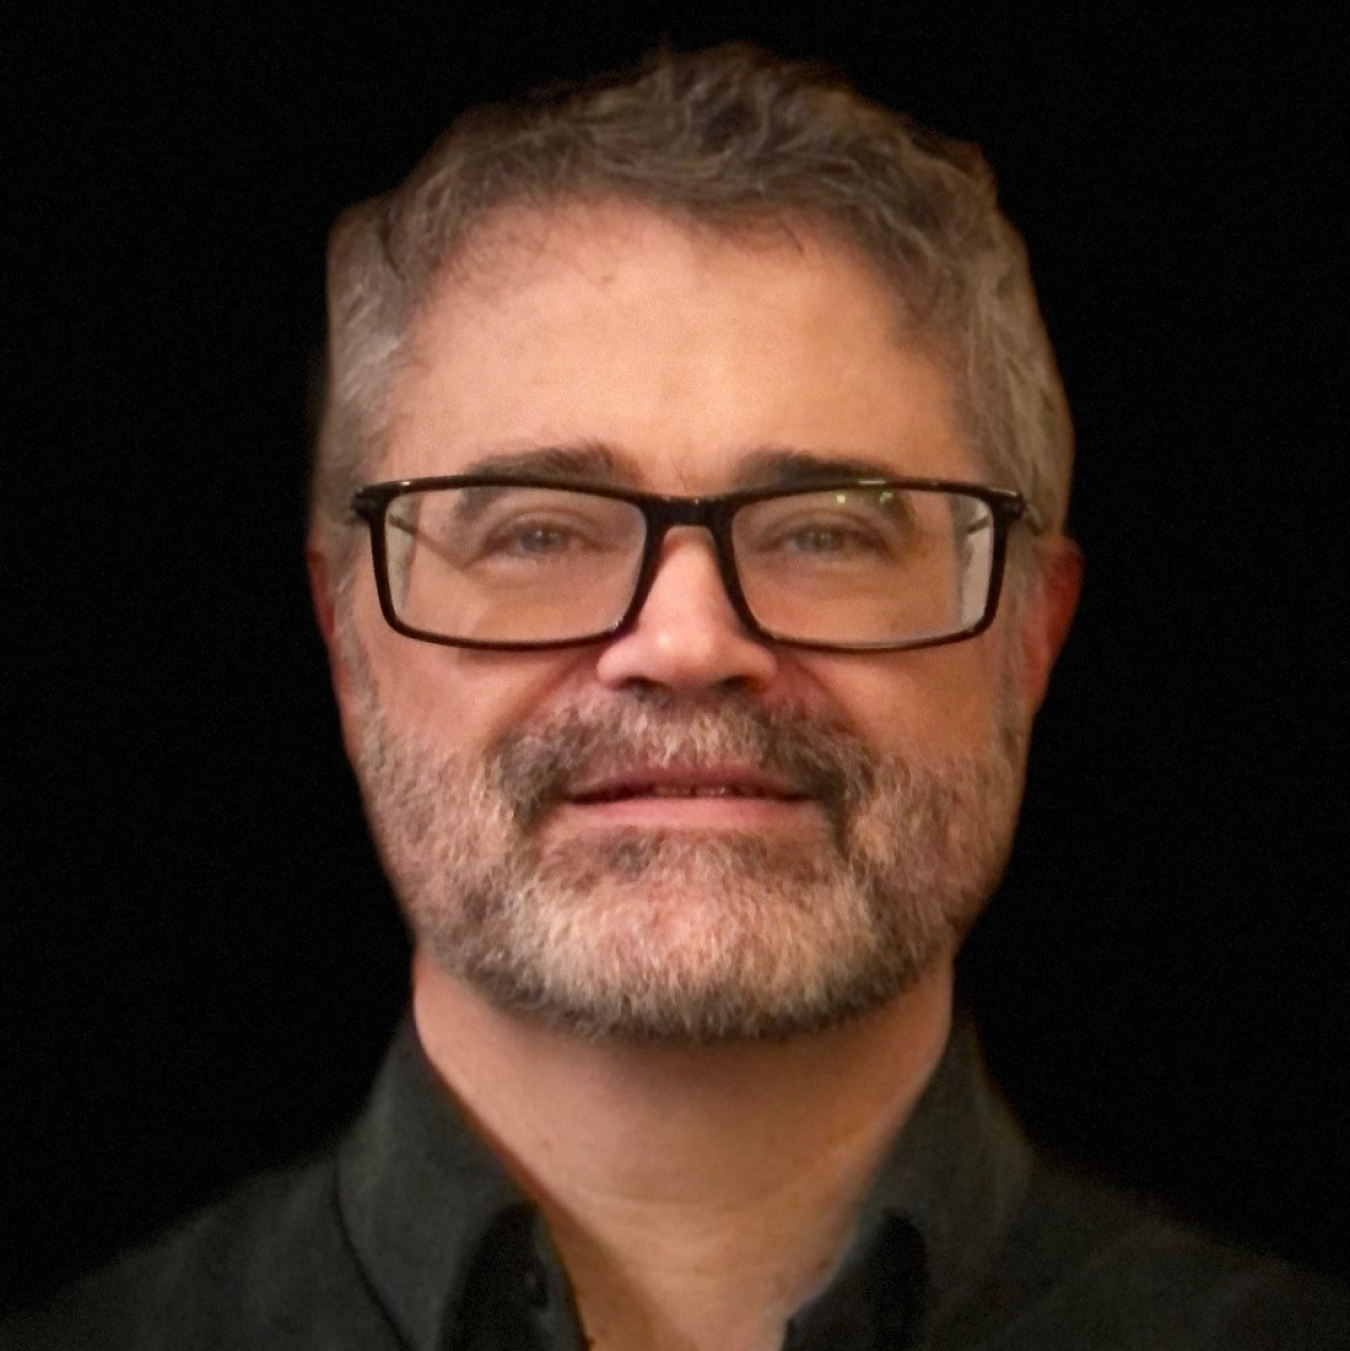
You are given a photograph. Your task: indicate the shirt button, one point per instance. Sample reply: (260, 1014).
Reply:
(535, 1284)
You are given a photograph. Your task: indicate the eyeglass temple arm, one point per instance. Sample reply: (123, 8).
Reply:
(424, 541)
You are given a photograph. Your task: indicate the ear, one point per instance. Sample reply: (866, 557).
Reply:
(1047, 613)
(322, 594)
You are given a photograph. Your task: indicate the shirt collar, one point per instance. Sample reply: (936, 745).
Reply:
(958, 1169)
(420, 1195)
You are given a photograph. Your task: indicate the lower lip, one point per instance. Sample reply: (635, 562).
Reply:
(692, 813)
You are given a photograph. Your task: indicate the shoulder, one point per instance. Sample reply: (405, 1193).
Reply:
(1091, 1264)
(268, 1267)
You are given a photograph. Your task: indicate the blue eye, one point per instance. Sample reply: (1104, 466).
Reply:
(531, 537)
(830, 539)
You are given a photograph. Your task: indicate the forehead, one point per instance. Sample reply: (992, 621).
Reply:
(683, 352)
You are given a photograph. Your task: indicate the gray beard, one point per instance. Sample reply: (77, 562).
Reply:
(687, 937)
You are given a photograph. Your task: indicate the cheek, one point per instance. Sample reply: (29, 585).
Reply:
(484, 695)
(457, 698)
(945, 700)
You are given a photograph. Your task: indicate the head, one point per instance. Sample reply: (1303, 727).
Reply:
(738, 143)
(680, 283)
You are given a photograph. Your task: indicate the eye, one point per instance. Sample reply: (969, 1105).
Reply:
(827, 537)
(528, 537)
(543, 527)
(539, 537)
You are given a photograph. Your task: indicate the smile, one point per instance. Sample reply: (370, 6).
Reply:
(671, 790)
(667, 784)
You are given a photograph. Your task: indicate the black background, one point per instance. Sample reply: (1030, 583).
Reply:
(200, 962)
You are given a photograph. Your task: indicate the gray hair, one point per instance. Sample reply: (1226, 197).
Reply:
(736, 140)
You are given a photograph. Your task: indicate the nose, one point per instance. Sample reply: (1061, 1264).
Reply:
(687, 635)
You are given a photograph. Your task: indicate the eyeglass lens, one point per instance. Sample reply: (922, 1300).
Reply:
(515, 564)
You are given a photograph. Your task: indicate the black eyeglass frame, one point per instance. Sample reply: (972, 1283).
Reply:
(713, 514)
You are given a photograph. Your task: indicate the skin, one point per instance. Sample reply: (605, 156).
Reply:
(697, 1194)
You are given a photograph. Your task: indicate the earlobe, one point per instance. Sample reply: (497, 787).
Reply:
(1049, 613)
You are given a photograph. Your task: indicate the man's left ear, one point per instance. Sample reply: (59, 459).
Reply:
(1047, 613)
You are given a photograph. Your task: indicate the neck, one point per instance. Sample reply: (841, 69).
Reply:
(697, 1195)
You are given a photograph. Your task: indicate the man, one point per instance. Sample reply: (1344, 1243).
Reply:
(688, 544)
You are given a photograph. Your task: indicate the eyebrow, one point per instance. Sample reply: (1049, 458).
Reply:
(585, 462)
(602, 463)
(789, 467)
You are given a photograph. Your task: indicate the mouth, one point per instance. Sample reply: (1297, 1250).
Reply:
(642, 782)
(636, 785)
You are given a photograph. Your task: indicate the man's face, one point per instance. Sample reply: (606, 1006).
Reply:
(682, 833)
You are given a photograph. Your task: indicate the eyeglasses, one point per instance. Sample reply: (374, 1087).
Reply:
(848, 566)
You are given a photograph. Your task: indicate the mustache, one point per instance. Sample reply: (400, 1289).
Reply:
(536, 765)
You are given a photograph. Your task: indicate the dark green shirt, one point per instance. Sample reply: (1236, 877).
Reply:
(409, 1235)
